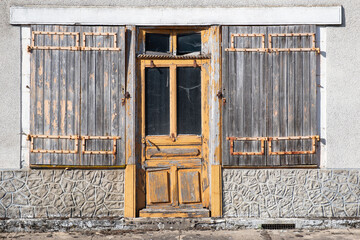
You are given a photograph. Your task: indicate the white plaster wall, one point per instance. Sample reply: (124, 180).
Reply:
(342, 71)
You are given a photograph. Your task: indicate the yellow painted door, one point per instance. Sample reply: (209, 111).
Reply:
(174, 136)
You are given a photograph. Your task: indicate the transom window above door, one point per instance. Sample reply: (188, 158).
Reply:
(178, 42)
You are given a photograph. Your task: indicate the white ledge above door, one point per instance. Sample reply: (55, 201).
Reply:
(163, 16)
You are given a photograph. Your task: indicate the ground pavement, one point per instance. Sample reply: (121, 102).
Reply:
(246, 234)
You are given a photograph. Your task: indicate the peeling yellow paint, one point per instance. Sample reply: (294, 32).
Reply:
(39, 108)
(69, 106)
(40, 70)
(62, 116)
(47, 111)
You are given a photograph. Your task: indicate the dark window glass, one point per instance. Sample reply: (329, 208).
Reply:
(189, 100)
(157, 42)
(157, 101)
(188, 43)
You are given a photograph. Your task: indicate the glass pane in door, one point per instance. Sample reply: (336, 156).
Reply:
(189, 100)
(188, 43)
(157, 101)
(156, 42)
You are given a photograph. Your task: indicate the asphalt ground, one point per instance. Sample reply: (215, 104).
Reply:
(246, 234)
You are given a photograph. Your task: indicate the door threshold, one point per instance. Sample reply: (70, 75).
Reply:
(180, 213)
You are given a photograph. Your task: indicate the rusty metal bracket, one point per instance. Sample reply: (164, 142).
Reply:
(314, 138)
(313, 48)
(114, 48)
(232, 139)
(74, 48)
(113, 152)
(126, 96)
(220, 96)
(233, 49)
(71, 137)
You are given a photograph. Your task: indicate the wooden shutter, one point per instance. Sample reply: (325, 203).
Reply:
(102, 88)
(55, 97)
(76, 93)
(269, 95)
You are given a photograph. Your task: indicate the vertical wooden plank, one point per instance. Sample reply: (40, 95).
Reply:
(263, 77)
(238, 92)
(306, 42)
(47, 95)
(87, 81)
(33, 88)
(99, 96)
(63, 80)
(74, 98)
(312, 97)
(298, 107)
(216, 191)
(174, 186)
(130, 194)
(39, 95)
(119, 59)
(130, 129)
(54, 96)
(105, 99)
(273, 96)
(225, 66)
(291, 95)
(247, 96)
(282, 94)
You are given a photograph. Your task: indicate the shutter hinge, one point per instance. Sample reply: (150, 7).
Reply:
(126, 96)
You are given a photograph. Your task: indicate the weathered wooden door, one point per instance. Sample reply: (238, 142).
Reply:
(174, 136)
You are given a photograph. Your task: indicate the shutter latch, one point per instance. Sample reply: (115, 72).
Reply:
(126, 96)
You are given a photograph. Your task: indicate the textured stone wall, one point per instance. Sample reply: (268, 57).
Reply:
(288, 193)
(61, 193)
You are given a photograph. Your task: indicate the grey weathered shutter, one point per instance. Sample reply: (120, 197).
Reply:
(102, 87)
(269, 95)
(77, 94)
(55, 97)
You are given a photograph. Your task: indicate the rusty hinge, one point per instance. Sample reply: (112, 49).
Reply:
(220, 95)
(126, 96)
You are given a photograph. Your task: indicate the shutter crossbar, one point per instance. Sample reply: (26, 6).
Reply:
(314, 138)
(74, 48)
(261, 139)
(233, 49)
(113, 152)
(312, 35)
(71, 137)
(114, 48)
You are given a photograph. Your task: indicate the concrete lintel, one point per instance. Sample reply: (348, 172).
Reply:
(176, 16)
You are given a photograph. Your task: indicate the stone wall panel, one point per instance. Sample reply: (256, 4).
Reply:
(61, 193)
(291, 193)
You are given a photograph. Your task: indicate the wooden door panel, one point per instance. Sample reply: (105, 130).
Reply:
(158, 190)
(173, 152)
(189, 186)
(179, 163)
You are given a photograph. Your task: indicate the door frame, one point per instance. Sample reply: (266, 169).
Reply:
(134, 196)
